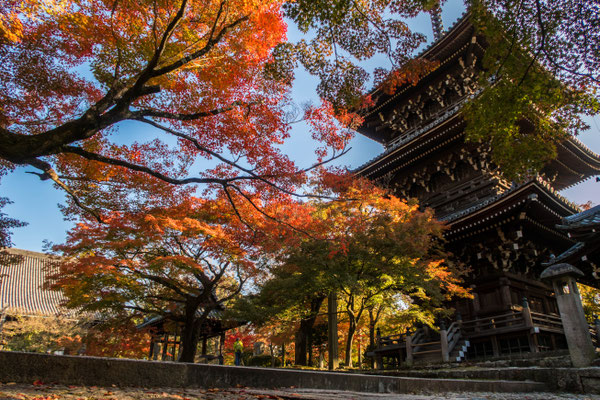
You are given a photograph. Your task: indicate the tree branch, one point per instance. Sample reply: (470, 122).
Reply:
(186, 117)
(208, 47)
(49, 173)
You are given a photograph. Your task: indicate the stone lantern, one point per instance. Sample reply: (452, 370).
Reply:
(563, 277)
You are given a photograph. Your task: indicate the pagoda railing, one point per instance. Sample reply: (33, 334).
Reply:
(391, 340)
(510, 319)
(454, 335)
(548, 321)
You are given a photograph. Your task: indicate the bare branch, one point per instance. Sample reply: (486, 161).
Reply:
(49, 173)
(187, 117)
(134, 167)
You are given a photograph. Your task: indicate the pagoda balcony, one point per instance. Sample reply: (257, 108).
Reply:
(426, 345)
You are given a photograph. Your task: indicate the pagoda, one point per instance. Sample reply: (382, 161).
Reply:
(502, 231)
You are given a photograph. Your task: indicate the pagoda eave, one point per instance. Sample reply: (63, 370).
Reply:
(532, 203)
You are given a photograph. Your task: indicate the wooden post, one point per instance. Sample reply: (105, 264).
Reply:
(151, 348)
(221, 348)
(332, 341)
(529, 324)
(155, 348)
(597, 326)
(204, 350)
(409, 355)
(175, 342)
(165, 343)
(495, 347)
(444, 342)
(505, 293)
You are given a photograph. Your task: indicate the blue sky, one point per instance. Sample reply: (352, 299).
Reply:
(36, 202)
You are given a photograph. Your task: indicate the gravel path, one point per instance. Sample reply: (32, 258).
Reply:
(41, 391)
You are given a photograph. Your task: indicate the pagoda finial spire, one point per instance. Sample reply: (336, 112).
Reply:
(436, 21)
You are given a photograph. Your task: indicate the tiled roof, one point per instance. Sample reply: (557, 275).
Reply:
(493, 199)
(586, 218)
(576, 248)
(22, 276)
(434, 42)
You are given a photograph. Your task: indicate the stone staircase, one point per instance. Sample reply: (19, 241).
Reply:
(424, 346)
(459, 353)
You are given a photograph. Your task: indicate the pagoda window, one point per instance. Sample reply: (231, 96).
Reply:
(514, 345)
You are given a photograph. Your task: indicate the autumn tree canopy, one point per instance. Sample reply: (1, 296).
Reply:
(366, 249)
(6, 225)
(184, 263)
(211, 77)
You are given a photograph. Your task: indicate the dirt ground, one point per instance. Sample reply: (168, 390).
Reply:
(42, 391)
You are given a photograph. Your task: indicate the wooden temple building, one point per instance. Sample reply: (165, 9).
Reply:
(165, 343)
(503, 231)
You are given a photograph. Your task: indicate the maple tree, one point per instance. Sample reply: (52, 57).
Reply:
(208, 79)
(7, 224)
(184, 263)
(364, 248)
(42, 334)
(590, 299)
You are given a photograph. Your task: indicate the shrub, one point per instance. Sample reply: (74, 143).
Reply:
(263, 360)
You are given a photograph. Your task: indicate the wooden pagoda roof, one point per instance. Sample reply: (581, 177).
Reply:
(457, 40)
(585, 228)
(535, 203)
(574, 163)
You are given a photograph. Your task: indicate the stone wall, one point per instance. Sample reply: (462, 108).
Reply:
(74, 370)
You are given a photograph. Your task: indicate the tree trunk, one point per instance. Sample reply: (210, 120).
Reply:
(283, 354)
(189, 341)
(350, 339)
(304, 334)
(372, 325)
(300, 346)
(191, 331)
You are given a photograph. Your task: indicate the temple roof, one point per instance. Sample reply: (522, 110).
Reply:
(454, 41)
(552, 196)
(22, 277)
(585, 228)
(431, 52)
(533, 205)
(585, 219)
(214, 325)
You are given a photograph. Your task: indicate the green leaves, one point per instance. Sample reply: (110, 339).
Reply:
(533, 95)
